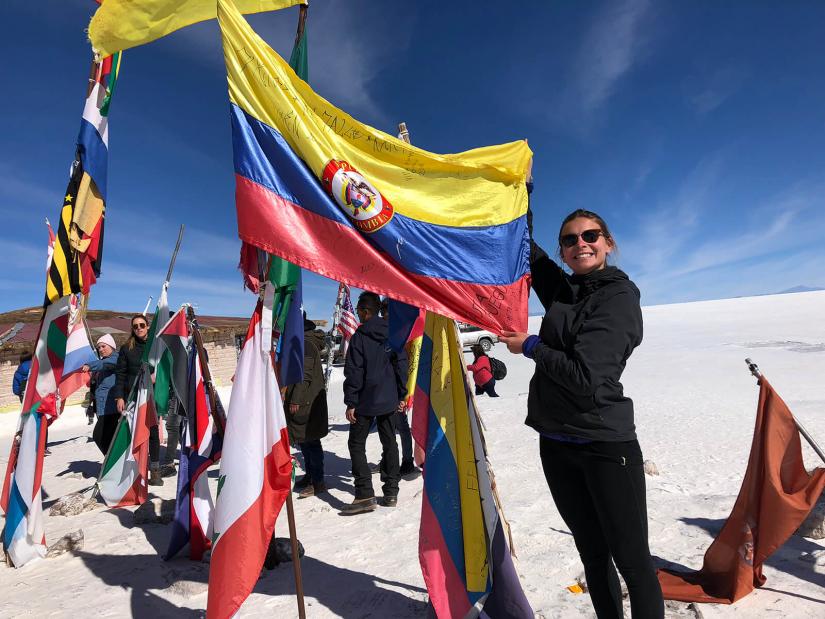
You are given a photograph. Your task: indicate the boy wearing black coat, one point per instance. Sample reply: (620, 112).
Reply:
(374, 390)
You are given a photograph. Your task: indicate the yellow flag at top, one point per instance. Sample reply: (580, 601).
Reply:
(121, 24)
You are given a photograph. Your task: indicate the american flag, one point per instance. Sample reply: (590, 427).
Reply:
(348, 322)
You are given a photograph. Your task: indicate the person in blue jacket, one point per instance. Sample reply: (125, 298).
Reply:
(103, 379)
(21, 375)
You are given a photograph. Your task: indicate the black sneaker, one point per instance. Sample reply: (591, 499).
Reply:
(303, 482)
(389, 501)
(408, 468)
(168, 470)
(155, 478)
(359, 506)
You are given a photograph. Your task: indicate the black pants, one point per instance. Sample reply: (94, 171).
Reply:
(599, 490)
(390, 471)
(173, 428)
(104, 431)
(489, 388)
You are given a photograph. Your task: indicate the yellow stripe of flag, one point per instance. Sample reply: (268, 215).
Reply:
(480, 187)
(121, 24)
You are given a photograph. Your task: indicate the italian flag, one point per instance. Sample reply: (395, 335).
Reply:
(157, 354)
(122, 478)
(255, 473)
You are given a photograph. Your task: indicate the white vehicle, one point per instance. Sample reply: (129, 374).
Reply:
(472, 335)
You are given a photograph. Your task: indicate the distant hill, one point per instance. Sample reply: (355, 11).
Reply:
(798, 289)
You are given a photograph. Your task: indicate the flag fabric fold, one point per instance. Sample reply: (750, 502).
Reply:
(255, 474)
(464, 547)
(121, 24)
(24, 536)
(316, 187)
(79, 352)
(175, 337)
(776, 496)
(123, 475)
(200, 449)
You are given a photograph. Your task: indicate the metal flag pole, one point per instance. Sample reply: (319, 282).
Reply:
(754, 369)
(174, 255)
(148, 305)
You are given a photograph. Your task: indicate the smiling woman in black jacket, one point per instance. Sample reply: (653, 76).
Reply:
(589, 452)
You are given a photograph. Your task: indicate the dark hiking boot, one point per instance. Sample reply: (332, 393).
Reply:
(389, 501)
(359, 506)
(155, 478)
(312, 490)
(303, 482)
(408, 468)
(168, 470)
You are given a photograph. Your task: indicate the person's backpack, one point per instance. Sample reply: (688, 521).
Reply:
(498, 368)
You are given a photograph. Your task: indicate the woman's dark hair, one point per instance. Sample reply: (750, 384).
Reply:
(477, 351)
(580, 212)
(26, 355)
(130, 343)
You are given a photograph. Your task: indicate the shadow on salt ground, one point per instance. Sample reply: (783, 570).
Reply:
(74, 439)
(344, 592)
(785, 559)
(141, 573)
(87, 468)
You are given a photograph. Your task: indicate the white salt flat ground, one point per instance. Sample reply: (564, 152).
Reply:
(695, 404)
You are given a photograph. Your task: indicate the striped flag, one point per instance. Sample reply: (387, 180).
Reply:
(123, 475)
(47, 363)
(255, 474)
(174, 336)
(24, 537)
(51, 247)
(78, 248)
(463, 541)
(79, 352)
(157, 355)
(200, 449)
(348, 322)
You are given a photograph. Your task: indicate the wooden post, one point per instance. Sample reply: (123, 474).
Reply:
(290, 510)
(218, 415)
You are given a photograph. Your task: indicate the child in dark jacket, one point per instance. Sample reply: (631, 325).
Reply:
(482, 373)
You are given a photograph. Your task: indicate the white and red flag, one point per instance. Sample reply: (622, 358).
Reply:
(255, 474)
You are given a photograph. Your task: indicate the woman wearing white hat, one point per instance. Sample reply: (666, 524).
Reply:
(103, 379)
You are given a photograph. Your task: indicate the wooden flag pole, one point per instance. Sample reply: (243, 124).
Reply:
(290, 509)
(754, 369)
(218, 415)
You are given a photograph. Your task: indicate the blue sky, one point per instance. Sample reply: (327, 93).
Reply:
(695, 129)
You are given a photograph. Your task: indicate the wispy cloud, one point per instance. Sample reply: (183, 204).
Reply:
(342, 67)
(16, 190)
(703, 260)
(707, 92)
(610, 48)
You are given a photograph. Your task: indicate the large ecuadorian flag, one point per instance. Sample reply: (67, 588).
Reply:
(446, 233)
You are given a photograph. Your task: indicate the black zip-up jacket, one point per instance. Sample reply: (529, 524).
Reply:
(591, 325)
(375, 376)
(127, 368)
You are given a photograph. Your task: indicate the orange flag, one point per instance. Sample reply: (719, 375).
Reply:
(776, 496)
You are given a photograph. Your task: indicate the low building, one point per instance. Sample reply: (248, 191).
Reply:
(222, 337)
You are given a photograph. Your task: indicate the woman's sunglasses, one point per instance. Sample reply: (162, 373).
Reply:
(141, 325)
(588, 236)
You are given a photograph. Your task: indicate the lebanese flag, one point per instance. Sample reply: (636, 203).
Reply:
(255, 472)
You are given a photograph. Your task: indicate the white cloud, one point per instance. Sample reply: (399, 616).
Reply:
(707, 92)
(609, 50)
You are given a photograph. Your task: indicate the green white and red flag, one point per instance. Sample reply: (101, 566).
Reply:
(123, 475)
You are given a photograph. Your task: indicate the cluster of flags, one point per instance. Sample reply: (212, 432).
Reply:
(75, 254)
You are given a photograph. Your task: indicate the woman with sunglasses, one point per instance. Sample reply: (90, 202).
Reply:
(127, 370)
(589, 452)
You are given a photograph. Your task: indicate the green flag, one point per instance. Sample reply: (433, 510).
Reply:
(284, 275)
(156, 354)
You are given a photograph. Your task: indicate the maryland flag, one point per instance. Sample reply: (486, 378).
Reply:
(78, 247)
